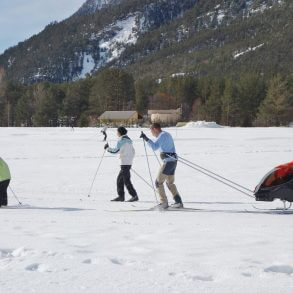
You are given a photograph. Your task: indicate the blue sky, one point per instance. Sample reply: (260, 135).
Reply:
(20, 19)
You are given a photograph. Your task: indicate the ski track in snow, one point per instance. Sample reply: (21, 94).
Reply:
(62, 241)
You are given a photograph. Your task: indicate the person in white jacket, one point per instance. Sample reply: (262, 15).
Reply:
(126, 151)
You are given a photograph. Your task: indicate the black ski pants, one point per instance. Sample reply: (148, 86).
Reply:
(3, 192)
(123, 179)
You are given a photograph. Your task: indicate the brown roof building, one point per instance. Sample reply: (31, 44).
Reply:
(120, 117)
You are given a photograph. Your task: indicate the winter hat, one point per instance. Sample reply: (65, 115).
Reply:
(122, 130)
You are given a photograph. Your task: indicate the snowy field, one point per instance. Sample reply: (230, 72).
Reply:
(61, 241)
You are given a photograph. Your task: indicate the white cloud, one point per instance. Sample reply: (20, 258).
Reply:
(20, 19)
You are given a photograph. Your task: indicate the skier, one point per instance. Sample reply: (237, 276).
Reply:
(4, 182)
(125, 149)
(71, 123)
(104, 131)
(164, 142)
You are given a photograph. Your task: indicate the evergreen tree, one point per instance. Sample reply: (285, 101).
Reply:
(277, 107)
(204, 90)
(144, 89)
(25, 109)
(49, 100)
(114, 90)
(9, 95)
(185, 91)
(211, 104)
(76, 100)
(251, 90)
(231, 105)
(214, 104)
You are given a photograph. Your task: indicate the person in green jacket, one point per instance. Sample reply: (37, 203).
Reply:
(4, 182)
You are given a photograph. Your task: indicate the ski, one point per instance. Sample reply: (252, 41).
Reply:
(155, 210)
(278, 210)
(15, 207)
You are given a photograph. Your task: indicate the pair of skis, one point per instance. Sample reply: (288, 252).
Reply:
(285, 210)
(155, 209)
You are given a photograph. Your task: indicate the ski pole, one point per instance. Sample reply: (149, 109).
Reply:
(15, 196)
(215, 174)
(148, 163)
(92, 185)
(215, 178)
(157, 158)
(139, 176)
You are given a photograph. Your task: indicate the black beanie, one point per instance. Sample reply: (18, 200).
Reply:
(122, 130)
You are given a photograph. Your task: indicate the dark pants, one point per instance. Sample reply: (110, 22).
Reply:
(123, 179)
(3, 192)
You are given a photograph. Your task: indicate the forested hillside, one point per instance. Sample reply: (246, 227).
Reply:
(230, 61)
(247, 100)
(159, 38)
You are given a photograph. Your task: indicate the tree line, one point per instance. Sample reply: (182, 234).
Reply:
(249, 99)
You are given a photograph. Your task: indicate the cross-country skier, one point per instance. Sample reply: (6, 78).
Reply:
(4, 182)
(104, 131)
(71, 123)
(164, 142)
(126, 150)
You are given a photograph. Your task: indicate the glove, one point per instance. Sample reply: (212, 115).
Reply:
(144, 137)
(106, 146)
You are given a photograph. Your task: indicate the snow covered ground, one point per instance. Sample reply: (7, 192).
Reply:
(63, 241)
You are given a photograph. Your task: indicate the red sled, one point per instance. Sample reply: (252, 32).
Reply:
(277, 184)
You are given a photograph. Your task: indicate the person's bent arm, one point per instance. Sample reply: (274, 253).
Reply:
(155, 145)
(116, 149)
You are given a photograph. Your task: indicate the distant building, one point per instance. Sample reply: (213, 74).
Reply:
(120, 118)
(165, 116)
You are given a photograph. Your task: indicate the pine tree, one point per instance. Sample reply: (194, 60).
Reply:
(211, 110)
(276, 108)
(231, 105)
(25, 110)
(144, 89)
(251, 90)
(76, 100)
(9, 95)
(113, 90)
(48, 105)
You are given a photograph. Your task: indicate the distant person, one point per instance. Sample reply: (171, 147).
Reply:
(104, 131)
(126, 150)
(4, 182)
(164, 142)
(72, 123)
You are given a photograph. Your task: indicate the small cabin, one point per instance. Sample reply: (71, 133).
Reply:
(120, 118)
(165, 116)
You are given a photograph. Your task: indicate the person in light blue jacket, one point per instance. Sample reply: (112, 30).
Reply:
(126, 153)
(165, 144)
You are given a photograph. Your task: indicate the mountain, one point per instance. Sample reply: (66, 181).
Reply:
(157, 38)
(92, 6)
